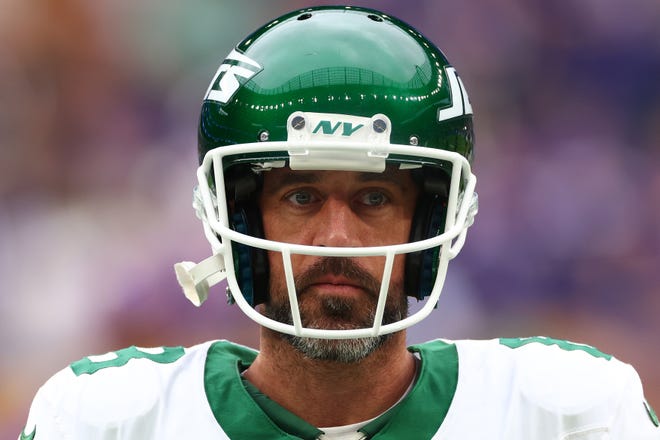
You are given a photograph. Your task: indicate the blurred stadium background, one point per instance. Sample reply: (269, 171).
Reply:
(98, 109)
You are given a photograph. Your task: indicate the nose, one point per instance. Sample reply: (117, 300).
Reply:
(337, 225)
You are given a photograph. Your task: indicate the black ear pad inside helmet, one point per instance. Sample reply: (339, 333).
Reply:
(428, 221)
(250, 263)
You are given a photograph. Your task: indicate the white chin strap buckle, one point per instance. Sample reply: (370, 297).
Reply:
(197, 279)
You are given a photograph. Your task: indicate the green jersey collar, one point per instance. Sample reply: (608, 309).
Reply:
(244, 413)
(236, 411)
(424, 409)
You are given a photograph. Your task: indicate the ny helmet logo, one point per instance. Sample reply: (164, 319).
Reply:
(226, 81)
(330, 128)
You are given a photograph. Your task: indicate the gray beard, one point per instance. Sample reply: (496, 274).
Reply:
(339, 350)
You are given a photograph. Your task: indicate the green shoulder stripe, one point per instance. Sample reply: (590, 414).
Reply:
(652, 415)
(119, 358)
(564, 345)
(28, 436)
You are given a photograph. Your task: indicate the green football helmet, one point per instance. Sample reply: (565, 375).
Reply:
(331, 88)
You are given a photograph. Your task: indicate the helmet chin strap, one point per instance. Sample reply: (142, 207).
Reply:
(197, 279)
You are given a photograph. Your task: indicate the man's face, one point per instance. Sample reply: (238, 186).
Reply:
(337, 209)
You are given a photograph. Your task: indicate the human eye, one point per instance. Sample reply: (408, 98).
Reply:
(373, 198)
(300, 197)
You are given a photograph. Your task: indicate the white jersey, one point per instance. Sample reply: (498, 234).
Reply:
(501, 389)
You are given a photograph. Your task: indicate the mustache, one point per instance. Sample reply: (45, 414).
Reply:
(346, 267)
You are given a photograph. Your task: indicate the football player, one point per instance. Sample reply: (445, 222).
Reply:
(335, 183)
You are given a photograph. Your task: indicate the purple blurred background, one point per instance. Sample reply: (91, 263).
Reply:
(98, 109)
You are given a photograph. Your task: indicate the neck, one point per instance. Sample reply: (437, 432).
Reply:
(329, 393)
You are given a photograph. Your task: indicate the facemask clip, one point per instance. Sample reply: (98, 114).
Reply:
(197, 279)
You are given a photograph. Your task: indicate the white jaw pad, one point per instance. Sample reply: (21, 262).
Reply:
(197, 279)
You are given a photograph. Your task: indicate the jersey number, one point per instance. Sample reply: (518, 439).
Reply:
(92, 364)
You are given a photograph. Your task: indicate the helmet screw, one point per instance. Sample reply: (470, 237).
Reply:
(263, 135)
(298, 123)
(414, 140)
(379, 126)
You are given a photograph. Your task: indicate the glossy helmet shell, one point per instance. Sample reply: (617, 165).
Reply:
(342, 60)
